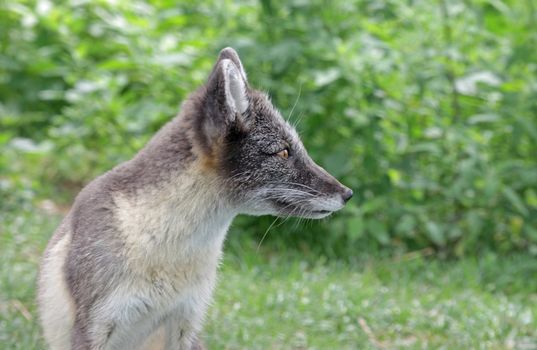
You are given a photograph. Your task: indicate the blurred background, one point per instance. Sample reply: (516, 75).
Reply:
(427, 109)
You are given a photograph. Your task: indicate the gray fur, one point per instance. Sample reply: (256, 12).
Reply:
(226, 163)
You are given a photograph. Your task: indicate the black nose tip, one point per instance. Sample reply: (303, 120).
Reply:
(347, 195)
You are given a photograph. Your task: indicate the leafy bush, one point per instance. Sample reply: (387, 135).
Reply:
(426, 109)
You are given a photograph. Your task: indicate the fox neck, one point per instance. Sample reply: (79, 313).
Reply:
(176, 221)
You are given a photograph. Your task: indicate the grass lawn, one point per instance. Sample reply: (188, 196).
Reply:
(283, 301)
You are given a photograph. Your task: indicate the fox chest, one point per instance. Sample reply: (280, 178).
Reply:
(171, 251)
(179, 299)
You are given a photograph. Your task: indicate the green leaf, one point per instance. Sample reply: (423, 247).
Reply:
(435, 233)
(515, 201)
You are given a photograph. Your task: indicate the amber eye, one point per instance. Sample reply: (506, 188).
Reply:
(284, 153)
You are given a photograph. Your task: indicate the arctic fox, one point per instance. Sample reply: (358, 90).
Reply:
(133, 264)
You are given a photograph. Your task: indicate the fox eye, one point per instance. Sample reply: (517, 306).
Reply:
(284, 153)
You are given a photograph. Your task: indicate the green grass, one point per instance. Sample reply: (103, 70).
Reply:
(382, 304)
(268, 300)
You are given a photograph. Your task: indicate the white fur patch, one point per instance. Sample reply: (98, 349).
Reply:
(57, 307)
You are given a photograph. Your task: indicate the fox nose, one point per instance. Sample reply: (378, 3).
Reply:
(347, 195)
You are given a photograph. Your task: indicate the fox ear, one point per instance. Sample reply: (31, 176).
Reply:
(225, 101)
(227, 90)
(235, 88)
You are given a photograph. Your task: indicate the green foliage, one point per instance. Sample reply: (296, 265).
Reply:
(425, 108)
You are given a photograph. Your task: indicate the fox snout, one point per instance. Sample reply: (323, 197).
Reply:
(329, 184)
(336, 194)
(347, 195)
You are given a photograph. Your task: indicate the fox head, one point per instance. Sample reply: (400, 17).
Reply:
(256, 153)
